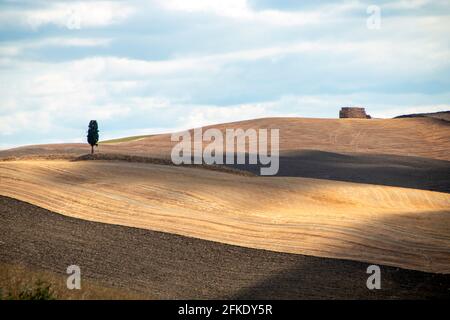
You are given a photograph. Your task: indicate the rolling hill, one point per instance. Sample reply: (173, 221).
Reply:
(442, 115)
(369, 191)
(420, 137)
(324, 218)
(132, 263)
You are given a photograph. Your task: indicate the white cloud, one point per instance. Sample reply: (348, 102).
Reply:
(9, 50)
(384, 55)
(232, 8)
(70, 15)
(73, 42)
(16, 48)
(197, 116)
(241, 10)
(19, 121)
(411, 4)
(191, 76)
(102, 87)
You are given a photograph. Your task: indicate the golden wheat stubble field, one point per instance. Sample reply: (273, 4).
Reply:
(378, 224)
(422, 137)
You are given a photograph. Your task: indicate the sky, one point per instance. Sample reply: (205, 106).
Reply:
(143, 67)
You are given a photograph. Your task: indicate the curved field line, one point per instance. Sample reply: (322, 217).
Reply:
(392, 226)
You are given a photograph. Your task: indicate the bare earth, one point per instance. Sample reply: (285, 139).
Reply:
(373, 191)
(381, 169)
(324, 218)
(146, 264)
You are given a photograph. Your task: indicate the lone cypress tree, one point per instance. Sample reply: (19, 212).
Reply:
(92, 136)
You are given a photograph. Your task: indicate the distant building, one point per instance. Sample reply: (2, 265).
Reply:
(353, 112)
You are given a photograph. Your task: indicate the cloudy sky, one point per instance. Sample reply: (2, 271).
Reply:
(156, 66)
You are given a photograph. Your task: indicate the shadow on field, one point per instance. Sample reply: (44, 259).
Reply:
(346, 279)
(168, 266)
(379, 169)
(389, 170)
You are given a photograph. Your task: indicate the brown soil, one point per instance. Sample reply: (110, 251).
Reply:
(369, 223)
(166, 266)
(381, 169)
(443, 115)
(160, 161)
